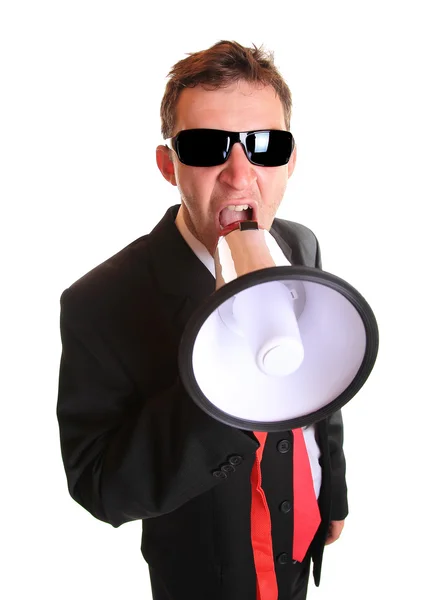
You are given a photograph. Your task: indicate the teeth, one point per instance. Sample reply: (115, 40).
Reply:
(238, 208)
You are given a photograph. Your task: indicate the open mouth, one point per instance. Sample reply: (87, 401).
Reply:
(233, 214)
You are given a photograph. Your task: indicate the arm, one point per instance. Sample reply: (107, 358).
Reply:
(129, 455)
(339, 504)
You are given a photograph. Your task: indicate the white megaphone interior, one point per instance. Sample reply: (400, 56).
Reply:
(332, 341)
(272, 333)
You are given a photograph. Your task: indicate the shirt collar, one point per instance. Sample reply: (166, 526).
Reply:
(198, 248)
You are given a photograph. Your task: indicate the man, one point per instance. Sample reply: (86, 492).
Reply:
(134, 444)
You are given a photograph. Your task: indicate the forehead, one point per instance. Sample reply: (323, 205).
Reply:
(239, 107)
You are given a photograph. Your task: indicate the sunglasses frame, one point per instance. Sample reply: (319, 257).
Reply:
(235, 137)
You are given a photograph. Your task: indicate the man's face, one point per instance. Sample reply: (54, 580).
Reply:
(205, 190)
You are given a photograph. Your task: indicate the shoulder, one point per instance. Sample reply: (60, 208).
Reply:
(108, 282)
(291, 230)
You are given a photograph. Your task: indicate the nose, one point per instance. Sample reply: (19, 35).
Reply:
(237, 171)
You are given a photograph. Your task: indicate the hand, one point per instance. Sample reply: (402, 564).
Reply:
(334, 531)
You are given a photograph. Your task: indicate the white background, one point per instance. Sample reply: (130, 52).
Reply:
(81, 83)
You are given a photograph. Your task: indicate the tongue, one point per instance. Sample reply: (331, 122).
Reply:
(231, 216)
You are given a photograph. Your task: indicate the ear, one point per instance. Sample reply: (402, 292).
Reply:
(292, 161)
(165, 163)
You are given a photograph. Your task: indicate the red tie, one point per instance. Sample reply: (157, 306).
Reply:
(306, 515)
(260, 520)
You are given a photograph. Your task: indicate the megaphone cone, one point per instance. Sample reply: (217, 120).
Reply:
(275, 347)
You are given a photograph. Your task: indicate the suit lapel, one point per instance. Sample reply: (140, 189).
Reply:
(176, 268)
(287, 250)
(183, 280)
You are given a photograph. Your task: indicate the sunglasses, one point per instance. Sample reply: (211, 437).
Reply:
(212, 147)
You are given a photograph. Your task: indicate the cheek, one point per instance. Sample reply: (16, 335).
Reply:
(199, 189)
(272, 186)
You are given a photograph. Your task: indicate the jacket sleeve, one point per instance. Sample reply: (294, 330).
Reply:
(339, 503)
(128, 455)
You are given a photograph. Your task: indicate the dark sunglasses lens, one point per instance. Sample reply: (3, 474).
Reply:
(202, 147)
(269, 148)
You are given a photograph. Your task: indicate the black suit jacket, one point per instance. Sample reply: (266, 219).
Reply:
(135, 445)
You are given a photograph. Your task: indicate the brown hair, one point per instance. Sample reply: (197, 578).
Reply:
(219, 66)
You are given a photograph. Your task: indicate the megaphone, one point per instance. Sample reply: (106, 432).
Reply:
(275, 347)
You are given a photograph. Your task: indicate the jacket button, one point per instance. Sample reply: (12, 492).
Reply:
(283, 558)
(235, 460)
(228, 468)
(285, 506)
(220, 474)
(283, 446)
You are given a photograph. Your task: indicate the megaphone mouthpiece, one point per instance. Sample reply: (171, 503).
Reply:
(242, 248)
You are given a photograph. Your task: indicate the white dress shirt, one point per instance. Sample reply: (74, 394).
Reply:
(204, 256)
